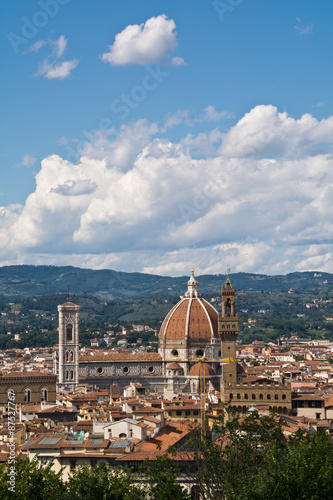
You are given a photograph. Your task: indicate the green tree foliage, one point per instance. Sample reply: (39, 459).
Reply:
(302, 470)
(32, 482)
(102, 483)
(251, 459)
(161, 475)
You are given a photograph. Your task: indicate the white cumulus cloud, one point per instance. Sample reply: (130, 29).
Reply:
(150, 42)
(137, 201)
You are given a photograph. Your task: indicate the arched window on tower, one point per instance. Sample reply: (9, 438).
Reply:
(69, 333)
(43, 394)
(66, 356)
(27, 395)
(228, 307)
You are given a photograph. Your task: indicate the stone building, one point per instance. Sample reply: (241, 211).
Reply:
(66, 364)
(244, 392)
(28, 387)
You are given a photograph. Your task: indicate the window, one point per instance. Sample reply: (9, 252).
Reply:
(174, 352)
(43, 394)
(110, 432)
(122, 435)
(238, 396)
(151, 369)
(231, 395)
(253, 396)
(66, 356)
(195, 412)
(283, 396)
(199, 353)
(276, 396)
(228, 307)
(72, 375)
(125, 369)
(66, 374)
(187, 412)
(69, 333)
(268, 396)
(246, 396)
(261, 396)
(72, 464)
(27, 395)
(100, 370)
(178, 412)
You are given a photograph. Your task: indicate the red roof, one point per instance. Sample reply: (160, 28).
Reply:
(193, 318)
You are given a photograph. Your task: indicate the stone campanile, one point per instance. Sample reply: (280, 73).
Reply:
(228, 332)
(68, 361)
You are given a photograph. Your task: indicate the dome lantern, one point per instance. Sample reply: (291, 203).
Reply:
(192, 290)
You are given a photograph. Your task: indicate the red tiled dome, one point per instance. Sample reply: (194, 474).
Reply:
(196, 370)
(191, 318)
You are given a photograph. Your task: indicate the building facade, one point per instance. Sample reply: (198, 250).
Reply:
(27, 387)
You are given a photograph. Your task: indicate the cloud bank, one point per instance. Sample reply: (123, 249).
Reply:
(259, 200)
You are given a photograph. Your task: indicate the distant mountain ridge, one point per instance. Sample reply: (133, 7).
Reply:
(27, 281)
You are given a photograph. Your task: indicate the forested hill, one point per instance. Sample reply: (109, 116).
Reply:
(28, 281)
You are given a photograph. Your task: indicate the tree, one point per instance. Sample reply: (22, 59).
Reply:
(229, 458)
(32, 482)
(103, 483)
(249, 458)
(301, 470)
(161, 476)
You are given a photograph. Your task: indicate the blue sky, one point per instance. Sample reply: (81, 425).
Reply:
(157, 136)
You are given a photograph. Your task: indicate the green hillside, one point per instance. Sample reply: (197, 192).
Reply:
(28, 281)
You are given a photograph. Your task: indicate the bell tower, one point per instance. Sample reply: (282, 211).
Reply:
(68, 374)
(228, 331)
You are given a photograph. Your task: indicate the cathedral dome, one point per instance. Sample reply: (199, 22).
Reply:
(192, 318)
(197, 370)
